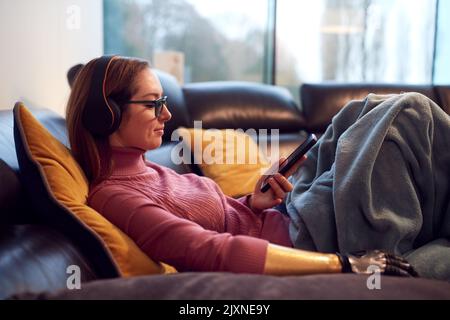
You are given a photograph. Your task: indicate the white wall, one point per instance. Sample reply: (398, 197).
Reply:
(40, 40)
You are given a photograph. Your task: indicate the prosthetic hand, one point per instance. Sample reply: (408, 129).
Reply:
(388, 264)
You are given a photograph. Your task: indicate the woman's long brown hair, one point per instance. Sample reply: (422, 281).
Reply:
(120, 85)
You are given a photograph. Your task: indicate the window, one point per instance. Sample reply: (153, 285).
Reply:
(215, 40)
(286, 42)
(442, 56)
(355, 41)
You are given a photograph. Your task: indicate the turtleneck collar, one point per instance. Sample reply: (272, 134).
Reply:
(127, 161)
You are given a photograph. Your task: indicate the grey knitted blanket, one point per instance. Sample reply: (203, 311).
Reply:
(379, 178)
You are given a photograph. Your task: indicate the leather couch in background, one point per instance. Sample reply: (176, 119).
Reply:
(33, 256)
(321, 101)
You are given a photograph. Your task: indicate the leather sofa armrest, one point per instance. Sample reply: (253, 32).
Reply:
(35, 258)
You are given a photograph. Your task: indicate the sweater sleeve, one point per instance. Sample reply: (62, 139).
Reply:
(179, 242)
(245, 200)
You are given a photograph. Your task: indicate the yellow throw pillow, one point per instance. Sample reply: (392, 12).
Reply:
(229, 157)
(60, 191)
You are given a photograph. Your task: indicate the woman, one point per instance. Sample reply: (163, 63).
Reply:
(116, 112)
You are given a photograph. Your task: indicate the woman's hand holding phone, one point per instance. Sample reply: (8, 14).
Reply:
(271, 189)
(279, 186)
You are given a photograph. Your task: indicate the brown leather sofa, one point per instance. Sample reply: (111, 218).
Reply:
(321, 101)
(34, 257)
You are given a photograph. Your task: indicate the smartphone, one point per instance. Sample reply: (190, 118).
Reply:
(292, 159)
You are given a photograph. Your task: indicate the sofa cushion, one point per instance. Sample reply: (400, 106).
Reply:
(58, 189)
(321, 101)
(243, 105)
(229, 157)
(51, 121)
(175, 103)
(443, 92)
(228, 286)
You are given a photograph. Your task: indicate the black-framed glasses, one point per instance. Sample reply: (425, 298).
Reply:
(158, 104)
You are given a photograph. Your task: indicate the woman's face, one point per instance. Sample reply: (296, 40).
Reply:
(139, 127)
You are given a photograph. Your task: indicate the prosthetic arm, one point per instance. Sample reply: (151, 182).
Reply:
(287, 261)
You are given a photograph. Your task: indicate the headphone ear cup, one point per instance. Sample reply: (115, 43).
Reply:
(101, 115)
(117, 113)
(98, 119)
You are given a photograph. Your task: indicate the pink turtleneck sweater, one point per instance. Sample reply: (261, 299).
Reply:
(185, 220)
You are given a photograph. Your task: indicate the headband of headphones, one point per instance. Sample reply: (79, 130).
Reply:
(101, 115)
